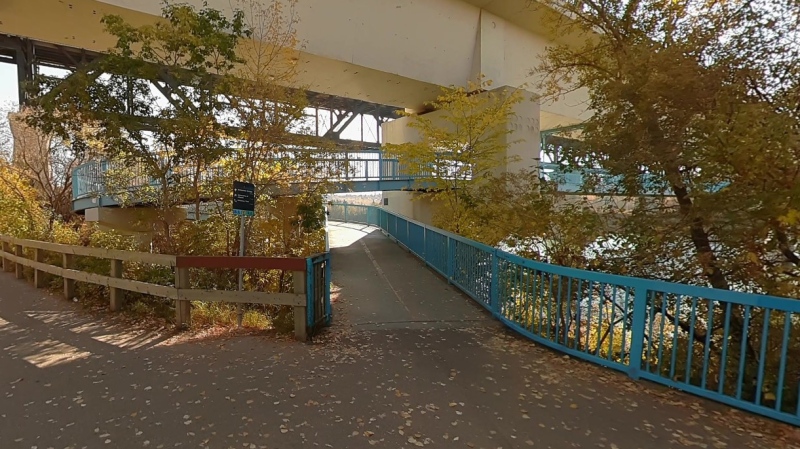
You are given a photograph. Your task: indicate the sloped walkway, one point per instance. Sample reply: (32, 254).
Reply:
(409, 363)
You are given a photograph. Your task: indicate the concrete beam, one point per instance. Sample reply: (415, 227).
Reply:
(411, 47)
(138, 221)
(523, 143)
(77, 24)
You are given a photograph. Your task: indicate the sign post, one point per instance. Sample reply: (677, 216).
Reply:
(244, 205)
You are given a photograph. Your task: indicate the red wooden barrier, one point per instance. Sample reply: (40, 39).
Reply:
(247, 263)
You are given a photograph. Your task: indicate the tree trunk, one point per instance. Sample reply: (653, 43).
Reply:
(784, 246)
(165, 210)
(197, 171)
(709, 261)
(702, 244)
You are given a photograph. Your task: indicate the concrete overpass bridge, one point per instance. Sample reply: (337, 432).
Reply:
(362, 59)
(366, 170)
(393, 54)
(390, 53)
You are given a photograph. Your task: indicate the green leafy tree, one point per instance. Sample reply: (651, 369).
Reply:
(695, 103)
(275, 149)
(153, 102)
(22, 217)
(43, 160)
(461, 145)
(184, 106)
(531, 218)
(684, 106)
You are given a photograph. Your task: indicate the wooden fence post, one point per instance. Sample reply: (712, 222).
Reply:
(183, 308)
(116, 294)
(6, 262)
(69, 284)
(39, 277)
(19, 267)
(299, 279)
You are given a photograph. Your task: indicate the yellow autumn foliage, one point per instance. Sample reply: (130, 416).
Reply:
(21, 214)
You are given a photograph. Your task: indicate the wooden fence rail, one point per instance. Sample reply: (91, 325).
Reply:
(13, 257)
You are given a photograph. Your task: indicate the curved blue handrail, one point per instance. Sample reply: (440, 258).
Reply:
(642, 327)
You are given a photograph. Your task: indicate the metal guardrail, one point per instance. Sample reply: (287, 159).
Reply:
(572, 181)
(318, 288)
(90, 179)
(651, 330)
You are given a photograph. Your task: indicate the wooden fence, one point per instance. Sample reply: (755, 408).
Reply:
(14, 259)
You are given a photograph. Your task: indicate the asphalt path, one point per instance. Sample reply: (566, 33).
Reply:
(410, 362)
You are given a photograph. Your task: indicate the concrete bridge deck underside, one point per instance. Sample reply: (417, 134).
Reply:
(387, 52)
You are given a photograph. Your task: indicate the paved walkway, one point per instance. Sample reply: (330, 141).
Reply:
(409, 363)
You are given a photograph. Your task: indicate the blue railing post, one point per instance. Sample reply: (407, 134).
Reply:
(328, 280)
(494, 293)
(451, 259)
(345, 212)
(101, 180)
(637, 331)
(75, 188)
(424, 243)
(310, 292)
(327, 228)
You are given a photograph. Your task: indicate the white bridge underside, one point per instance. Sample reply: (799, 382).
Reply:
(393, 52)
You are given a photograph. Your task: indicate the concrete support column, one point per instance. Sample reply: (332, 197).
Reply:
(523, 152)
(489, 59)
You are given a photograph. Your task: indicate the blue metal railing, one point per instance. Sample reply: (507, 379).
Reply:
(572, 181)
(731, 347)
(318, 291)
(90, 179)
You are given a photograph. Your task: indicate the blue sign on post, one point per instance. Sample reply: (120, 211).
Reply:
(244, 205)
(244, 199)
(244, 213)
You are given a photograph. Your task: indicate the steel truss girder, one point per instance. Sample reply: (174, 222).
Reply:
(21, 53)
(344, 119)
(35, 53)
